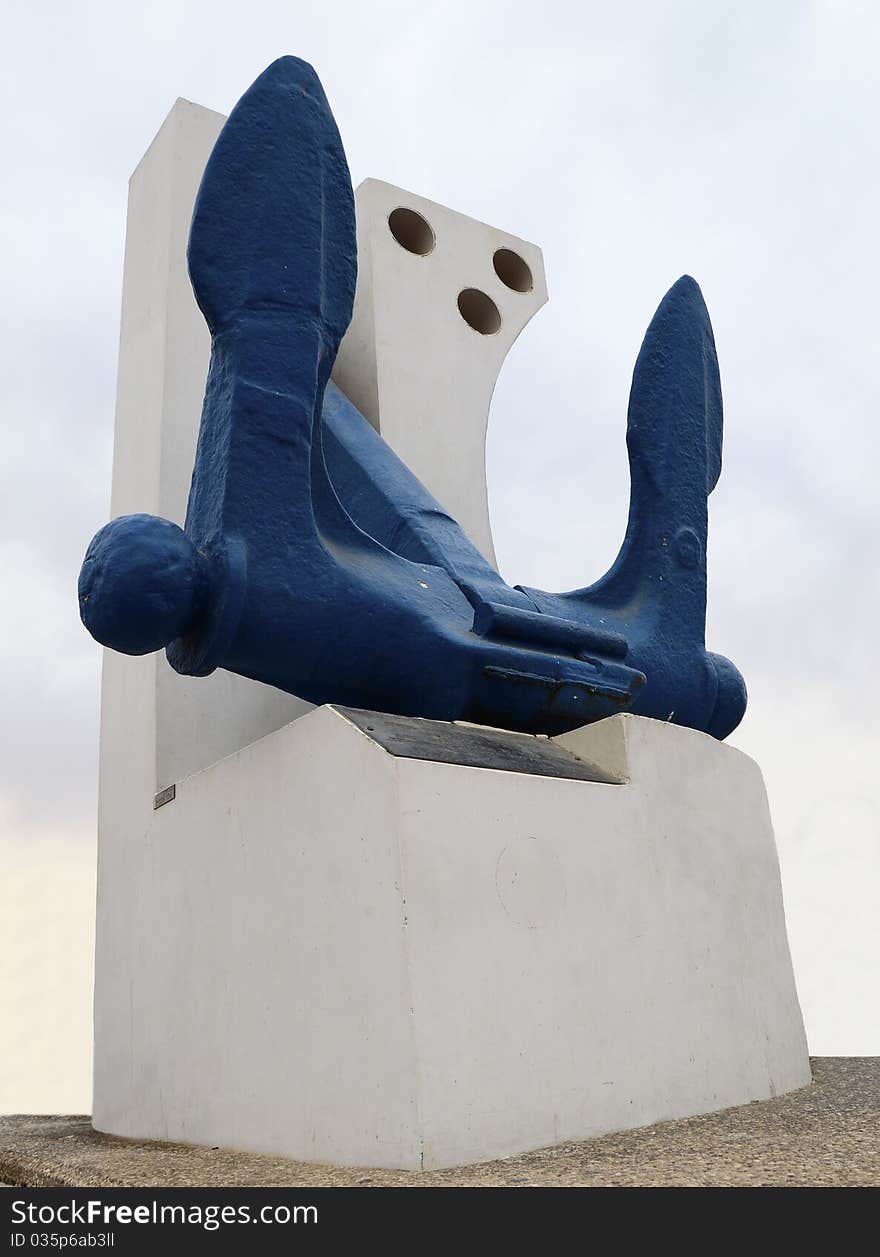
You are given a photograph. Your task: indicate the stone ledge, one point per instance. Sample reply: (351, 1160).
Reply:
(827, 1135)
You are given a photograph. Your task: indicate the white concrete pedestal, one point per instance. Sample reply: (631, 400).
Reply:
(323, 950)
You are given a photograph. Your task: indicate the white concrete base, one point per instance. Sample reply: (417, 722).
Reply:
(322, 951)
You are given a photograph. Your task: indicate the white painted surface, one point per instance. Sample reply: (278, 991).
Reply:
(320, 951)
(412, 364)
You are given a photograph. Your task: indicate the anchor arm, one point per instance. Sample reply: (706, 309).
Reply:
(655, 592)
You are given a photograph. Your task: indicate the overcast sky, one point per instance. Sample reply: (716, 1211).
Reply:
(633, 142)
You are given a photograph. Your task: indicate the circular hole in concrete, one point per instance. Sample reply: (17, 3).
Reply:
(512, 270)
(479, 311)
(411, 231)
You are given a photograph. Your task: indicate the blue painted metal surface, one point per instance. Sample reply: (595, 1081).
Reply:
(655, 593)
(313, 559)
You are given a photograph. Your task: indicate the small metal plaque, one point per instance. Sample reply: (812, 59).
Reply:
(411, 737)
(164, 796)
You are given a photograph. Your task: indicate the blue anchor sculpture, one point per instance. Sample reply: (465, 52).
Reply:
(313, 560)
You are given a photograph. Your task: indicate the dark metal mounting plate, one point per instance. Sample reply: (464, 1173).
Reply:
(410, 737)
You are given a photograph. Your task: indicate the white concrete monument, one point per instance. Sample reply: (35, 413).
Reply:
(366, 939)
